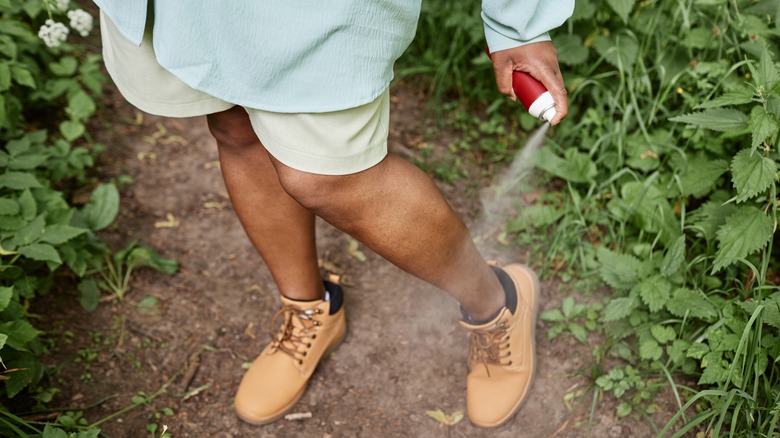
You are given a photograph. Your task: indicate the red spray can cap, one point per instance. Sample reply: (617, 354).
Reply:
(533, 95)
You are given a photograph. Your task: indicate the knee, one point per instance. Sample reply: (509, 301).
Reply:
(314, 192)
(232, 130)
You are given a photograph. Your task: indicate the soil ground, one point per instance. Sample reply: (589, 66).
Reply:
(404, 355)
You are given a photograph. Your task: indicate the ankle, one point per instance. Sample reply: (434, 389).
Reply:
(487, 308)
(484, 310)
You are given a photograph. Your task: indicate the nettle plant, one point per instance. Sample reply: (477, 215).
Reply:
(669, 166)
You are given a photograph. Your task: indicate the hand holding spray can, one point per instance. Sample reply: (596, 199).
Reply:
(533, 95)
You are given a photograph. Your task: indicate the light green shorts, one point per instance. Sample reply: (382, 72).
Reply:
(331, 143)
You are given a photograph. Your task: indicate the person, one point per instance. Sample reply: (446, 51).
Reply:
(296, 96)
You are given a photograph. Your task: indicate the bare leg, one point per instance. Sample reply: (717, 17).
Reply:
(280, 229)
(396, 210)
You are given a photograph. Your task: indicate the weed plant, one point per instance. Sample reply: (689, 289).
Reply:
(666, 189)
(47, 96)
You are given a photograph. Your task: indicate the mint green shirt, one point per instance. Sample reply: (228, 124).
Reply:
(305, 55)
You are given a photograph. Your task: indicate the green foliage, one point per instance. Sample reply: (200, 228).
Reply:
(668, 170)
(678, 108)
(116, 271)
(47, 95)
(44, 103)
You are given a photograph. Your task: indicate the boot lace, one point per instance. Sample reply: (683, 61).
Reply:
(291, 336)
(490, 346)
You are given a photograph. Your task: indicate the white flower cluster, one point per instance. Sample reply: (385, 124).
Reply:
(80, 21)
(53, 33)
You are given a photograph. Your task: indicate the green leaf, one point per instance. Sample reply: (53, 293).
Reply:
(662, 333)
(745, 232)
(146, 257)
(622, 8)
(698, 38)
(677, 350)
(60, 233)
(28, 366)
(620, 50)
(674, 259)
(40, 251)
(3, 338)
(19, 332)
(739, 97)
(5, 297)
(553, 315)
(90, 294)
(50, 431)
(718, 119)
(80, 106)
(762, 124)
(5, 76)
(767, 74)
(650, 350)
(19, 180)
(571, 51)
(27, 162)
(22, 76)
(575, 166)
(691, 302)
(8, 206)
(28, 206)
(752, 173)
(535, 216)
(71, 130)
(623, 410)
(701, 175)
(30, 233)
(655, 292)
(578, 332)
(710, 216)
(620, 271)
(66, 66)
(583, 10)
(697, 350)
(102, 208)
(619, 308)
(19, 146)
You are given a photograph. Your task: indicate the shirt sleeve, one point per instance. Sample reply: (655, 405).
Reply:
(514, 23)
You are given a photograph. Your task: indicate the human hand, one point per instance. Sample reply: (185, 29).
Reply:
(540, 60)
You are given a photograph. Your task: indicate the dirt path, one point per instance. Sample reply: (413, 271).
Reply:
(405, 353)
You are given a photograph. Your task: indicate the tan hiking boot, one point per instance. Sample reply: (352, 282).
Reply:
(502, 357)
(278, 377)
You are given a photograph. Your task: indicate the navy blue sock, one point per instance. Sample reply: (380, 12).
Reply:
(510, 293)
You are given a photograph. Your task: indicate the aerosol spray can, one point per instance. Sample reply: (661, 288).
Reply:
(533, 95)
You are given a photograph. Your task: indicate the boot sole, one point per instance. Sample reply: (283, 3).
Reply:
(515, 270)
(288, 408)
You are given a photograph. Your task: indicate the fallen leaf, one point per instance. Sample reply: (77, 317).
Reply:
(139, 118)
(253, 288)
(147, 155)
(449, 420)
(250, 330)
(211, 164)
(173, 139)
(355, 252)
(170, 222)
(214, 205)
